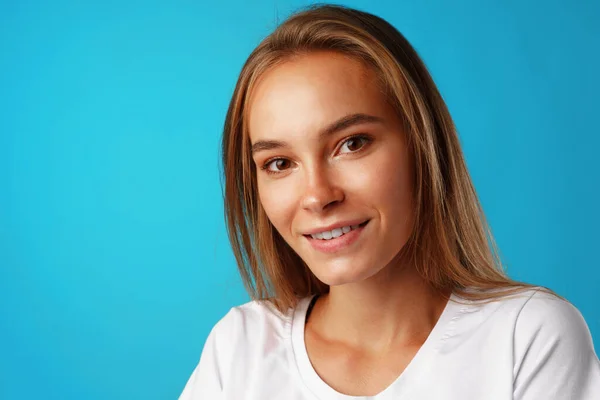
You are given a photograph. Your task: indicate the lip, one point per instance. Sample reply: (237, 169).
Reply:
(335, 226)
(339, 243)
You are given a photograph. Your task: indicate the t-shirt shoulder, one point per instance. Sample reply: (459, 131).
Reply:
(547, 315)
(255, 314)
(546, 311)
(553, 351)
(512, 305)
(242, 334)
(550, 346)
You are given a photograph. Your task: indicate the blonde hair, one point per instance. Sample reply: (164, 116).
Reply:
(451, 244)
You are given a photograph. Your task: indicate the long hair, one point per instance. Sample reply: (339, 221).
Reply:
(451, 244)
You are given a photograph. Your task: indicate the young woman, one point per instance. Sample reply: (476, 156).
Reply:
(360, 237)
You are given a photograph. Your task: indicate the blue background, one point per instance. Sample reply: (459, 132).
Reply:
(114, 261)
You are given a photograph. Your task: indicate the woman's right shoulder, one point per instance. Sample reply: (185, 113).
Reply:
(253, 321)
(238, 341)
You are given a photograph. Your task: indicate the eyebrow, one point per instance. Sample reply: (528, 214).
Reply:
(337, 126)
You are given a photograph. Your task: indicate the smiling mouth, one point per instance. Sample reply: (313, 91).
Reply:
(336, 233)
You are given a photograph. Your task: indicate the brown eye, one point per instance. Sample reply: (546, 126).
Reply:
(353, 144)
(277, 165)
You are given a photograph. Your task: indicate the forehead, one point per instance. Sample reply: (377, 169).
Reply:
(307, 92)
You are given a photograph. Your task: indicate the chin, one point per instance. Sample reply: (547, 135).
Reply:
(337, 274)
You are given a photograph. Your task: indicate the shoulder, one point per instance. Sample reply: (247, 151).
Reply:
(548, 325)
(252, 321)
(236, 341)
(232, 339)
(529, 308)
(546, 340)
(537, 311)
(545, 314)
(531, 315)
(553, 351)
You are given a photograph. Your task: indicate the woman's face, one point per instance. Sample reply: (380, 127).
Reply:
(333, 168)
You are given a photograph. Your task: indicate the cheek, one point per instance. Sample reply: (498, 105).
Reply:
(385, 184)
(397, 197)
(383, 179)
(278, 198)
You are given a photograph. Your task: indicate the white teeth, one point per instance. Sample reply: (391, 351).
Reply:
(335, 233)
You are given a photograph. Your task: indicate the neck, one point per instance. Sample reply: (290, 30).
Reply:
(394, 307)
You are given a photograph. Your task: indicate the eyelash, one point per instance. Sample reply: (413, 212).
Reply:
(366, 138)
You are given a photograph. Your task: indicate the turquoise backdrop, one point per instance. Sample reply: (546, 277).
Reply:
(114, 261)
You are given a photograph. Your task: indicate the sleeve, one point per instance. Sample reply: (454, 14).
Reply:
(554, 352)
(206, 381)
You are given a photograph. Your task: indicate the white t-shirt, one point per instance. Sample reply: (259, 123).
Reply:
(531, 347)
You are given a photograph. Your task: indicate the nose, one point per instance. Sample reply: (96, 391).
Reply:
(321, 192)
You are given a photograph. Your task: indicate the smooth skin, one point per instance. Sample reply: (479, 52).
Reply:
(329, 148)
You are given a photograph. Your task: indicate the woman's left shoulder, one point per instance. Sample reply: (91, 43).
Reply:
(534, 308)
(543, 312)
(553, 351)
(536, 313)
